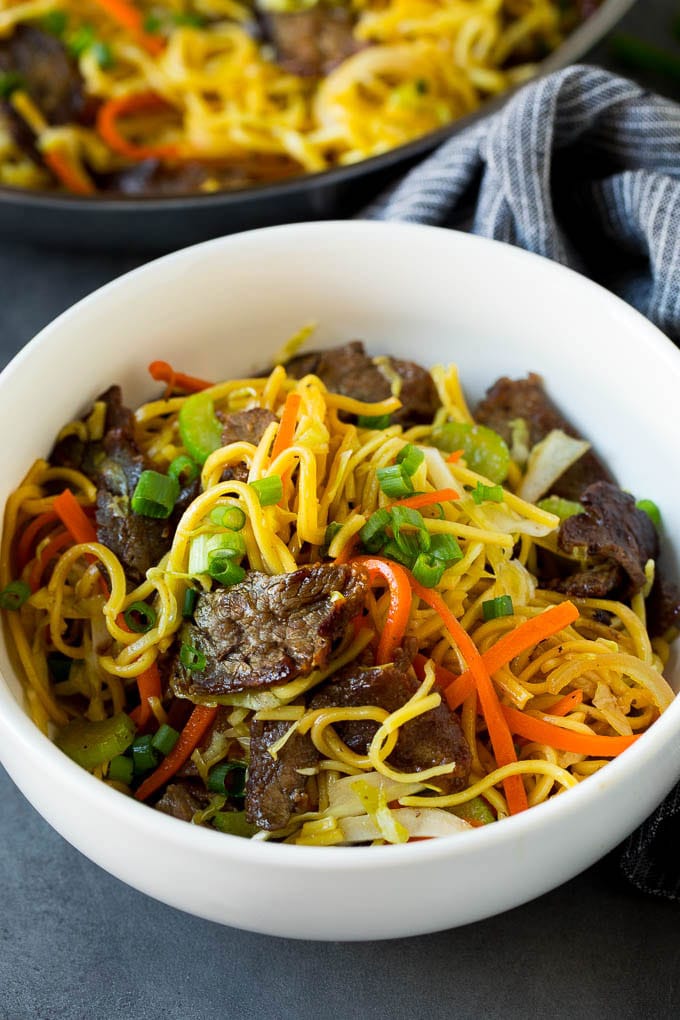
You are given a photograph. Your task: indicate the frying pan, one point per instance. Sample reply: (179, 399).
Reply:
(161, 224)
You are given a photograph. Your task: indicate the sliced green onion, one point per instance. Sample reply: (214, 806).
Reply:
(331, 531)
(217, 778)
(144, 756)
(191, 658)
(189, 19)
(152, 23)
(487, 493)
(493, 609)
(91, 744)
(81, 40)
(234, 823)
(562, 508)
(445, 549)
(14, 595)
(225, 570)
(199, 427)
(373, 534)
(140, 617)
(231, 517)
(164, 739)
(229, 544)
(184, 469)
(485, 451)
(475, 810)
(410, 458)
(121, 769)
(380, 422)
(269, 490)
(59, 666)
(10, 81)
(405, 552)
(54, 23)
(427, 571)
(652, 511)
(103, 54)
(189, 603)
(406, 517)
(394, 481)
(155, 495)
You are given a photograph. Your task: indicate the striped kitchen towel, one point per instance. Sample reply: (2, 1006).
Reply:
(581, 166)
(584, 168)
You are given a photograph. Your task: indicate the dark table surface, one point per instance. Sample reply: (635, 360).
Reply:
(76, 943)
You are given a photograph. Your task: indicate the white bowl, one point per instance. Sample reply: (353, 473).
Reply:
(222, 308)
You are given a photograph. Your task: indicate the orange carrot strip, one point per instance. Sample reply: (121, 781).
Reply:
(24, 547)
(73, 517)
(454, 457)
(162, 371)
(526, 635)
(286, 432)
(53, 547)
(199, 721)
(107, 126)
(427, 498)
(148, 685)
(561, 739)
(72, 176)
(129, 17)
(565, 704)
(499, 733)
(385, 572)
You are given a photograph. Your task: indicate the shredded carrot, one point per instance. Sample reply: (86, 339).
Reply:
(566, 704)
(561, 739)
(55, 545)
(526, 635)
(139, 102)
(454, 457)
(129, 17)
(73, 517)
(162, 371)
(385, 572)
(71, 174)
(499, 733)
(286, 432)
(24, 548)
(199, 721)
(428, 498)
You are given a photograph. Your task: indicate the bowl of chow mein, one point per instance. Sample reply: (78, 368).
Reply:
(339, 600)
(144, 124)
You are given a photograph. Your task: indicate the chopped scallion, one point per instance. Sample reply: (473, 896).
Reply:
(487, 493)
(140, 617)
(10, 81)
(427, 571)
(493, 609)
(231, 517)
(652, 511)
(155, 495)
(184, 469)
(164, 739)
(144, 756)
(217, 778)
(380, 422)
(189, 603)
(445, 549)
(331, 531)
(225, 570)
(373, 533)
(191, 658)
(394, 481)
(269, 490)
(54, 22)
(121, 769)
(410, 458)
(14, 595)
(81, 40)
(103, 54)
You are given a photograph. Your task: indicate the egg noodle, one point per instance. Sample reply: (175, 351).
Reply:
(601, 673)
(195, 84)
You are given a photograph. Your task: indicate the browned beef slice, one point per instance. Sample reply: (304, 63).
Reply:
(348, 370)
(595, 583)
(48, 73)
(72, 452)
(614, 530)
(509, 399)
(311, 43)
(434, 738)
(244, 427)
(182, 800)
(269, 630)
(275, 790)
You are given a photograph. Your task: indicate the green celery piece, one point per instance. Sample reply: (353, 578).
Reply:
(199, 427)
(485, 451)
(234, 822)
(90, 744)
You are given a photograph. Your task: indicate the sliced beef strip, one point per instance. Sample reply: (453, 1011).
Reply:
(73, 453)
(183, 799)
(269, 630)
(244, 427)
(349, 371)
(612, 529)
(275, 789)
(48, 73)
(509, 399)
(312, 42)
(434, 738)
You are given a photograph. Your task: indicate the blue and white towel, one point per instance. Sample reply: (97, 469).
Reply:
(584, 168)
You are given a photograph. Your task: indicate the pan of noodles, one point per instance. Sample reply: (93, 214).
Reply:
(139, 124)
(338, 637)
